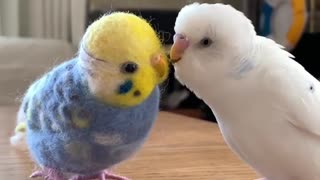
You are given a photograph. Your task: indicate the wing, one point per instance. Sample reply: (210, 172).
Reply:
(298, 94)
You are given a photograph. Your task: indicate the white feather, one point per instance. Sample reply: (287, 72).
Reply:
(270, 116)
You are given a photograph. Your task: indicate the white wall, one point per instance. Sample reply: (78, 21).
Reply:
(9, 17)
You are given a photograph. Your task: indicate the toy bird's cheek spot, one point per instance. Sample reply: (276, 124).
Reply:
(137, 93)
(125, 87)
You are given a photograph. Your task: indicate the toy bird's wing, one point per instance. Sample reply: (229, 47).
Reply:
(296, 93)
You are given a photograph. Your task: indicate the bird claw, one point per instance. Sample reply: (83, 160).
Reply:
(104, 175)
(36, 174)
(51, 174)
(113, 176)
(47, 174)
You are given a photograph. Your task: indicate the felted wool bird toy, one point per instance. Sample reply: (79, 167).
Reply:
(267, 105)
(96, 110)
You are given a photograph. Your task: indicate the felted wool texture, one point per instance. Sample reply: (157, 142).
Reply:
(70, 130)
(107, 75)
(117, 38)
(124, 33)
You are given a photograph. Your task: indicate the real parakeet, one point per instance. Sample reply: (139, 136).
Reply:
(266, 104)
(96, 110)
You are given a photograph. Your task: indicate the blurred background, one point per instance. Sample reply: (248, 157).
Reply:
(38, 34)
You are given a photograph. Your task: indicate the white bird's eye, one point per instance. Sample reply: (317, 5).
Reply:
(205, 42)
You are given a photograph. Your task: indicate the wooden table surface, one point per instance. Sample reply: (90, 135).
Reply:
(179, 148)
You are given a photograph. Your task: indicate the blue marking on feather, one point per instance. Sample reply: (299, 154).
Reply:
(125, 87)
(244, 67)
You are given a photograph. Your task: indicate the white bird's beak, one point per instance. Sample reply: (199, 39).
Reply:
(180, 44)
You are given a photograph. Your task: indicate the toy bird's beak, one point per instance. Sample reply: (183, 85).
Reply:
(161, 66)
(180, 44)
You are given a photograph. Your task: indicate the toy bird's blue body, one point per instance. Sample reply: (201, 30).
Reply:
(70, 130)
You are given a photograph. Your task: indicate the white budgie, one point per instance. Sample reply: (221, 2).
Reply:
(266, 104)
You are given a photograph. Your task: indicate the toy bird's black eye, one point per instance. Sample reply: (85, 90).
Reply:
(129, 67)
(205, 42)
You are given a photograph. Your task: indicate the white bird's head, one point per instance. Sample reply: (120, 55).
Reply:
(211, 40)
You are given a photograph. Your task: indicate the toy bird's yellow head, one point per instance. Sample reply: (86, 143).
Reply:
(124, 59)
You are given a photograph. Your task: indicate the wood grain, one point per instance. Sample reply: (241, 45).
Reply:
(179, 148)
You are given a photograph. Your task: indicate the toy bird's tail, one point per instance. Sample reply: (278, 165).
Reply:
(18, 140)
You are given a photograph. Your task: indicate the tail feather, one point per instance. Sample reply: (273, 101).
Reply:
(18, 140)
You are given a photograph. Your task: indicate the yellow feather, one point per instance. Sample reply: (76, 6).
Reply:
(117, 38)
(21, 127)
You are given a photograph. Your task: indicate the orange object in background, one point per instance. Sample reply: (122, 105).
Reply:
(283, 21)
